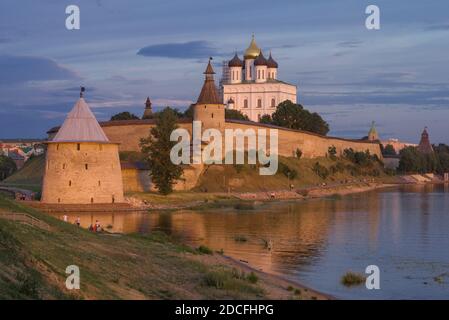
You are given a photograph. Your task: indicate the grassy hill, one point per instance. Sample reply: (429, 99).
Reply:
(33, 264)
(303, 173)
(30, 176)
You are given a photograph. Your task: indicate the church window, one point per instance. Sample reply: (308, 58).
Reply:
(78, 146)
(59, 200)
(245, 103)
(212, 115)
(99, 183)
(63, 166)
(259, 103)
(273, 103)
(57, 146)
(113, 199)
(258, 117)
(70, 183)
(91, 200)
(263, 74)
(232, 75)
(101, 147)
(258, 74)
(86, 166)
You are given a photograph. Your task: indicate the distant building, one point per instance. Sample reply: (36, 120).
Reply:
(148, 113)
(372, 134)
(252, 86)
(82, 165)
(424, 145)
(20, 150)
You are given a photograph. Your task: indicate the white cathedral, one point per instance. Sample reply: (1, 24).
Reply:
(252, 86)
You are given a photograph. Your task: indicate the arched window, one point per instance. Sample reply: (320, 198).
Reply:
(263, 74)
(212, 115)
(86, 166)
(273, 103)
(78, 146)
(245, 103)
(99, 183)
(70, 183)
(259, 103)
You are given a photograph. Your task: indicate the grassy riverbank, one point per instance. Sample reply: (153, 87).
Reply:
(33, 263)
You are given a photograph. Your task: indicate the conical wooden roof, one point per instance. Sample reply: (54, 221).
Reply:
(209, 94)
(80, 126)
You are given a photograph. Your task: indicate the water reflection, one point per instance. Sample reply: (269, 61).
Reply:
(403, 231)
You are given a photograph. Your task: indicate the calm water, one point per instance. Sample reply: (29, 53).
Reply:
(404, 231)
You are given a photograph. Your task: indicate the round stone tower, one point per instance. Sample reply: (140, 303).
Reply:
(82, 165)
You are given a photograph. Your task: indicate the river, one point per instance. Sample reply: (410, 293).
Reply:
(402, 230)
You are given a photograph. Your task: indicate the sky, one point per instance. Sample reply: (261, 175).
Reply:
(125, 51)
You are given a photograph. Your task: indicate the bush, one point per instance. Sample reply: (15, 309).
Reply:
(332, 152)
(252, 277)
(232, 280)
(287, 171)
(204, 250)
(352, 279)
(320, 170)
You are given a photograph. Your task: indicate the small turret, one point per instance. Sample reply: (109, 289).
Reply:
(148, 113)
(208, 108)
(424, 145)
(372, 134)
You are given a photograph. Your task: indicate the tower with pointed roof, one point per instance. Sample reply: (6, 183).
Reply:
(424, 144)
(208, 108)
(372, 134)
(148, 113)
(252, 85)
(82, 165)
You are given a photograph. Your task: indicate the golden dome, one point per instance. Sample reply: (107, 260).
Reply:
(253, 51)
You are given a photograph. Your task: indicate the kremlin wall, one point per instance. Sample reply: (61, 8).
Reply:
(83, 163)
(126, 135)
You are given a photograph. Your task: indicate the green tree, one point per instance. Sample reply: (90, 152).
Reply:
(413, 161)
(294, 116)
(235, 114)
(156, 148)
(266, 118)
(126, 115)
(389, 150)
(7, 167)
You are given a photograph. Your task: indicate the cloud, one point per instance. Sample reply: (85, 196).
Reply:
(186, 50)
(20, 69)
(438, 27)
(350, 44)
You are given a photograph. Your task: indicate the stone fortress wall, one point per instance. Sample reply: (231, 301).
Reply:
(129, 133)
(77, 173)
